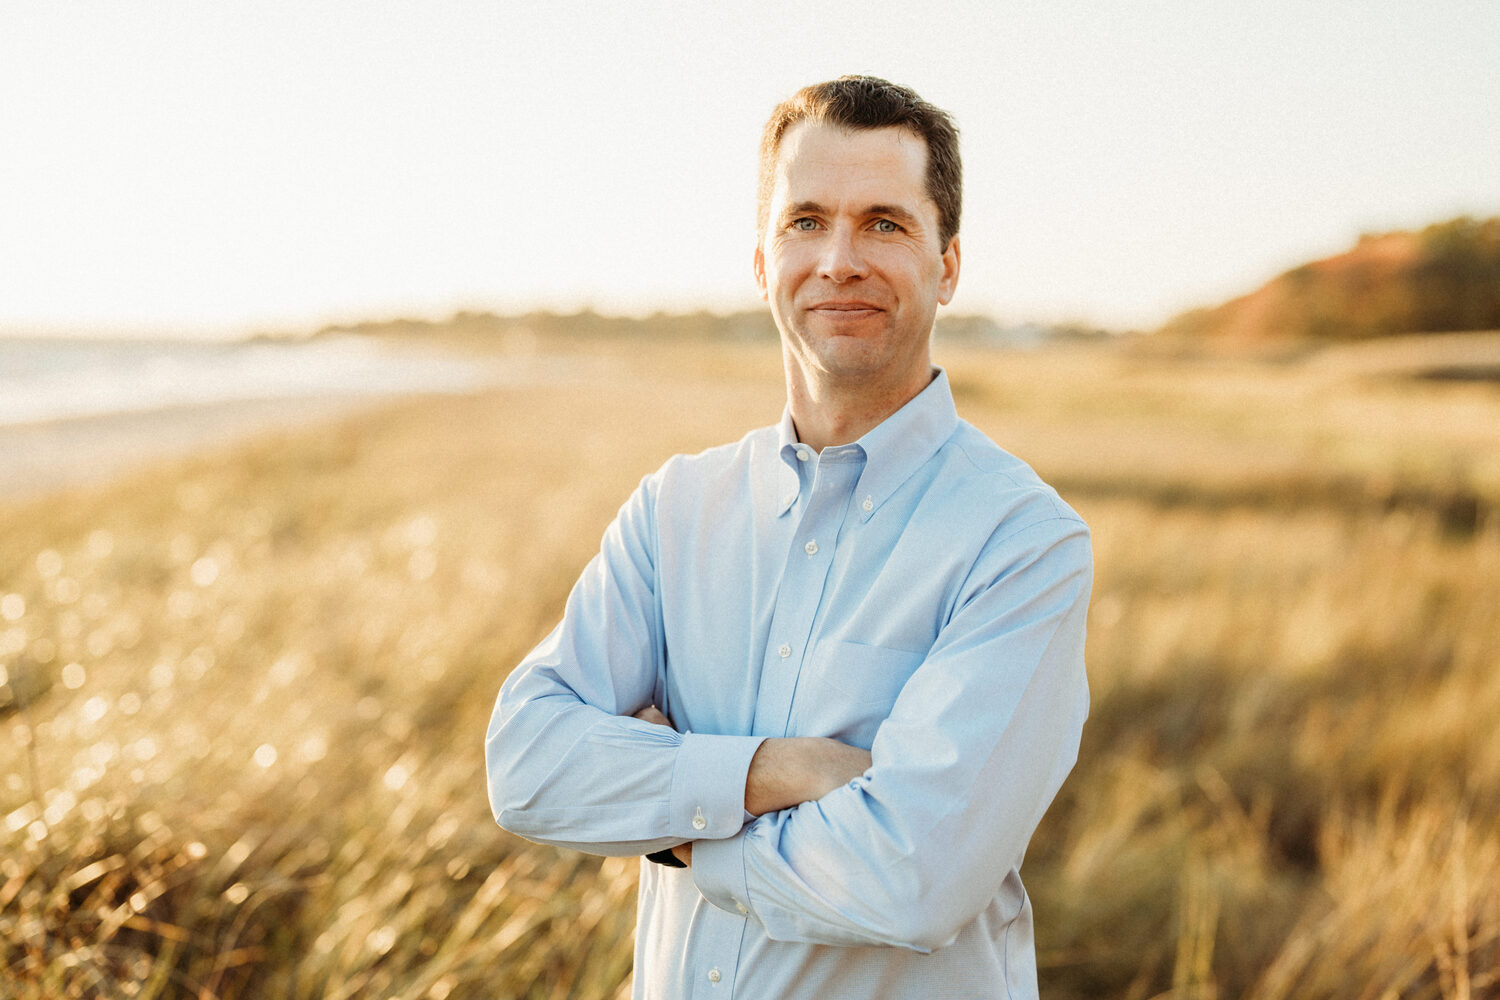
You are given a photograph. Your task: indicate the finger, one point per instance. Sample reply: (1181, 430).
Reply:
(653, 715)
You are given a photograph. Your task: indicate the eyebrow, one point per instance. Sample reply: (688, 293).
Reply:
(894, 212)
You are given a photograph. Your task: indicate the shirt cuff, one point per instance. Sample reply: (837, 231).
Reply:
(707, 801)
(719, 873)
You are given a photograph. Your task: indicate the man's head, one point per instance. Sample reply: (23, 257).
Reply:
(868, 102)
(855, 254)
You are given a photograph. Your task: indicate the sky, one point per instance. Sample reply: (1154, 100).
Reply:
(235, 167)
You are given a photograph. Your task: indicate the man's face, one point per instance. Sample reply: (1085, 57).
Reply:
(850, 261)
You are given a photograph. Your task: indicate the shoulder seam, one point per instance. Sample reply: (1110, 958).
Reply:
(1038, 487)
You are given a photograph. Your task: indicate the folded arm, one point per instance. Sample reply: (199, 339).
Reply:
(976, 746)
(566, 763)
(785, 772)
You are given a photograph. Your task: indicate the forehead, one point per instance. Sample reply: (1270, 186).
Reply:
(830, 163)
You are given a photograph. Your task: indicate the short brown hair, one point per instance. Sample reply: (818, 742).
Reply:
(868, 102)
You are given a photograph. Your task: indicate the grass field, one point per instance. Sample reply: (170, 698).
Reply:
(244, 695)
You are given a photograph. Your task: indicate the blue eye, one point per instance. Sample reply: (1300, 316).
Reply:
(806, 225)
(887, 226)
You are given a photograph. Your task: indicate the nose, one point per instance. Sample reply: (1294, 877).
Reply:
(841, 260)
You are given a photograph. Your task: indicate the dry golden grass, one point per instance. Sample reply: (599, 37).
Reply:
(245, 694)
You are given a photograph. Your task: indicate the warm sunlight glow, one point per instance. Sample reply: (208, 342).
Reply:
(226, 167)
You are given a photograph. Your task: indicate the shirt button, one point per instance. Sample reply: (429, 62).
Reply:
(741, 907)
(803, 454)
(811, 548)
(867, 504)
(784, 651)
(713, 975)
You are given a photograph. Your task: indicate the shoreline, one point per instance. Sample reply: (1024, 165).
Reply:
(39, 459)
(54, 453)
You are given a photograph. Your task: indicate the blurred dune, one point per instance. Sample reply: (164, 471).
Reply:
(244, 691)
(1441, 279)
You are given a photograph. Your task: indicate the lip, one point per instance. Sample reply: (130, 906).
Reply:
(852, 306)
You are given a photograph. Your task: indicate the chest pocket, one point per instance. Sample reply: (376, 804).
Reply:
(847, 690)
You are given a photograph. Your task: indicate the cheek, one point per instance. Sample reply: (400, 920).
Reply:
(928, 272)
(909, 262)
(786, 271)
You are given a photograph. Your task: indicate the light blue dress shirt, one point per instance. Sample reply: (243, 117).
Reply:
(920, 593)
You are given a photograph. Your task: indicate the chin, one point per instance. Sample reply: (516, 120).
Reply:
(856, 359)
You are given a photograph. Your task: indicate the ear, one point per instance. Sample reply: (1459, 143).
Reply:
(760, 270)
(949, 281)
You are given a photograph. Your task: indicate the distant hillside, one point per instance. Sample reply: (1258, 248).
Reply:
(755, 324)
(1445, 278)
(547, 325)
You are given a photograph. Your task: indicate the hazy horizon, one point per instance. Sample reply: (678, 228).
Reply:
(278, 167)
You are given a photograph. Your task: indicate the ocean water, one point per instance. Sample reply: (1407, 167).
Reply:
(56, 379)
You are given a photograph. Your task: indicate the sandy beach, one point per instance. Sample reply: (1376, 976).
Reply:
(41, 458)
(82, 412)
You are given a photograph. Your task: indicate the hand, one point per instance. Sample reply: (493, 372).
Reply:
(653, 715)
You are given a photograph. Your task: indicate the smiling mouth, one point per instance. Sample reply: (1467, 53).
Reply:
(852, 309)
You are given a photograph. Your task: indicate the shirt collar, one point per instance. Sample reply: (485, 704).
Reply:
(904, 441)
(894, 449)
(788, 480)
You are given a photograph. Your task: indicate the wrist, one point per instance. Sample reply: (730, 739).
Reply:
(788, 771)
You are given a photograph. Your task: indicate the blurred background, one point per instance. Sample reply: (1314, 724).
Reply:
(332, 335)
(289, 165)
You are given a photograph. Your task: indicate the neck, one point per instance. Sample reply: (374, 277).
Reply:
(827, 414)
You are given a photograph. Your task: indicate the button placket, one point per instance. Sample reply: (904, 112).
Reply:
(824, 499)
(722, 934)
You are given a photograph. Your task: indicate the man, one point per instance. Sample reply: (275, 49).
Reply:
(827, 678)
